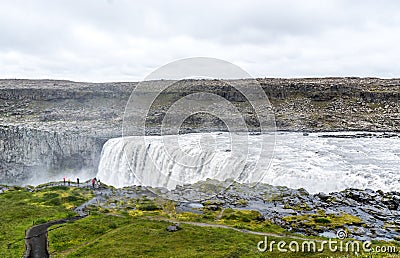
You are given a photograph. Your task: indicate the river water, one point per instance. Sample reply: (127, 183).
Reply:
(318, 162)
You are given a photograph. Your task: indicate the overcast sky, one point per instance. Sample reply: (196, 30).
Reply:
(121, 40)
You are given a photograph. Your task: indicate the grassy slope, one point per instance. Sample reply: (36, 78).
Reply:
(142, 233)
(20, 209)
(109, 236)
(135, 232)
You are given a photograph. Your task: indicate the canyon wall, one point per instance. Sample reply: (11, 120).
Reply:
(30, 155)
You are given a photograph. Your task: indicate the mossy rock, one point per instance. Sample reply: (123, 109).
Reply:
(319, 220)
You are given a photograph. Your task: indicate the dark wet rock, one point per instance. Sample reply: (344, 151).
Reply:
(173, 228)
(3, 189)
(212, 207)
(190, 207)
(260, 218)
(324, 197)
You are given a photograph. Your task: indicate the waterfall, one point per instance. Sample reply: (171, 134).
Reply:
(146, 160)
(318, 164)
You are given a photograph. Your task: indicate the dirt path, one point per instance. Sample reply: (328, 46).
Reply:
(36, 238)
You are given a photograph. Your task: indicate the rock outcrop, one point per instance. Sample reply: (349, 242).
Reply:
(365, 214)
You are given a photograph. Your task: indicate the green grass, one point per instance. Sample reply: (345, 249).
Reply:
(142, 233)
(103, 235)
(63, 237)
(137, 228)
(20, 209)
(145, 238)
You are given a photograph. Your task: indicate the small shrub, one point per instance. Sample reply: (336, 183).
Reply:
(148, 207)
(72, 198)
(112, 225)
(322, 220)
(245, 219)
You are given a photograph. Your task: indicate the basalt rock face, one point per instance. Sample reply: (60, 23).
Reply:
(30, 155)
(49, 125)
(51, 129)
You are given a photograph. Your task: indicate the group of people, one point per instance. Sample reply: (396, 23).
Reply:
(69, 181)
(95, 182)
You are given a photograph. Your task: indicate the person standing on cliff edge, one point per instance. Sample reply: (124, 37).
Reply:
(94, 182)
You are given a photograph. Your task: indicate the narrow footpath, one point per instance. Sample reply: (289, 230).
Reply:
(36, 238)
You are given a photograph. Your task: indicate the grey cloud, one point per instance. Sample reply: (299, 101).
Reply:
(125, 40)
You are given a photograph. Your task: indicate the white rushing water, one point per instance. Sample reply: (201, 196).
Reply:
(311, 162)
